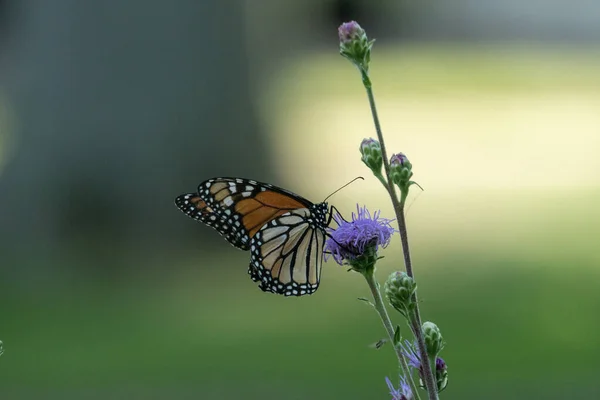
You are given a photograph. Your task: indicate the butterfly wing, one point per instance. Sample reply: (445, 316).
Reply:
(238, 208)
(287, 253)
(194, 206)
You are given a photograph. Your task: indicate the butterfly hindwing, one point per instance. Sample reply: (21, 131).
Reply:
(287, 254)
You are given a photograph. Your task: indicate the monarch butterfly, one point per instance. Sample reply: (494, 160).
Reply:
(284, 232)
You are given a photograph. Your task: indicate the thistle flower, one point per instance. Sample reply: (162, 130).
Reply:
(402, 393)
(357, 242)
(412, 357)
(413, 360)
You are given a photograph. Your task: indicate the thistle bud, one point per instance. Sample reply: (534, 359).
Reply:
(434, 341)
(371, 155)
(354, 45)
(441, 374)
(400, 170)
(399, 290)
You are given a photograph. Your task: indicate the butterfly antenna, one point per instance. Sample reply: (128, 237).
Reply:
(353, 180)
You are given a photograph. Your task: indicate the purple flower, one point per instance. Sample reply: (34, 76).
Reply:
(402, 393)
(408, 349)
(353, 239)
(413, 359)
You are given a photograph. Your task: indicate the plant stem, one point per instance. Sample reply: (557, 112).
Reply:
(387, 323)
(399, 211)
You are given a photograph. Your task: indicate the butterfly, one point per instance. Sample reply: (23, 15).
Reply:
(284, 232)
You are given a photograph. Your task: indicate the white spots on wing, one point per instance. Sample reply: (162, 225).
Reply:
(228, 201)
(246, 194)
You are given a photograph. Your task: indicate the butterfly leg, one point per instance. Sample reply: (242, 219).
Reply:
(330, 218)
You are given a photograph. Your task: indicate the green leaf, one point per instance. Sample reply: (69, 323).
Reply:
(379, 344)
(366, 301)
(397, 336)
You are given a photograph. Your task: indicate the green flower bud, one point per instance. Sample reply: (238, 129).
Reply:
(354, 45)
(399, 290)
(371, 155)
(433, 339)
(1, 347)
(400, 170)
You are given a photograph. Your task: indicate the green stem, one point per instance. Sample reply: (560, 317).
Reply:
(387, 324)
(399, 211)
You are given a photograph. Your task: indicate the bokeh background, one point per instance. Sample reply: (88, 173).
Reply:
(108, 110)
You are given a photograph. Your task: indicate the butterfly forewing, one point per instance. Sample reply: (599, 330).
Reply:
(197, 208)
(284, 232)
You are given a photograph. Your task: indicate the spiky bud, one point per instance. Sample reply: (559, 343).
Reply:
(399, 290)
(355, 45)
(441, 374)
(433, 339)
(400, 170)
(371, 155)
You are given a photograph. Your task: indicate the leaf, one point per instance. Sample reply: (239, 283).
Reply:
(378, 344)
(366, 301)
(397, 336)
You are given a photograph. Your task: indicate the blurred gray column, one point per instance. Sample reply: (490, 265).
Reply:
(120, 106)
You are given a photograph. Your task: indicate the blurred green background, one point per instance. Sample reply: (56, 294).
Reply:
(109, 110)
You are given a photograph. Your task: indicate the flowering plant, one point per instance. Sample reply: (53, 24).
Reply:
(357, 243)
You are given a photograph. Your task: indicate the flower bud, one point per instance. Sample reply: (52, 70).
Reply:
(371, 155)
(1, 348)
(441, 374)
(434, 341)
(399, 290)
(400, 170)
(354, 44)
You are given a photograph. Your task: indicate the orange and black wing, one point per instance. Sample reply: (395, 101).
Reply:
(238, 208)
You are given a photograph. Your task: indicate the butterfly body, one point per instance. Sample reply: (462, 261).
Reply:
(284, 232)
